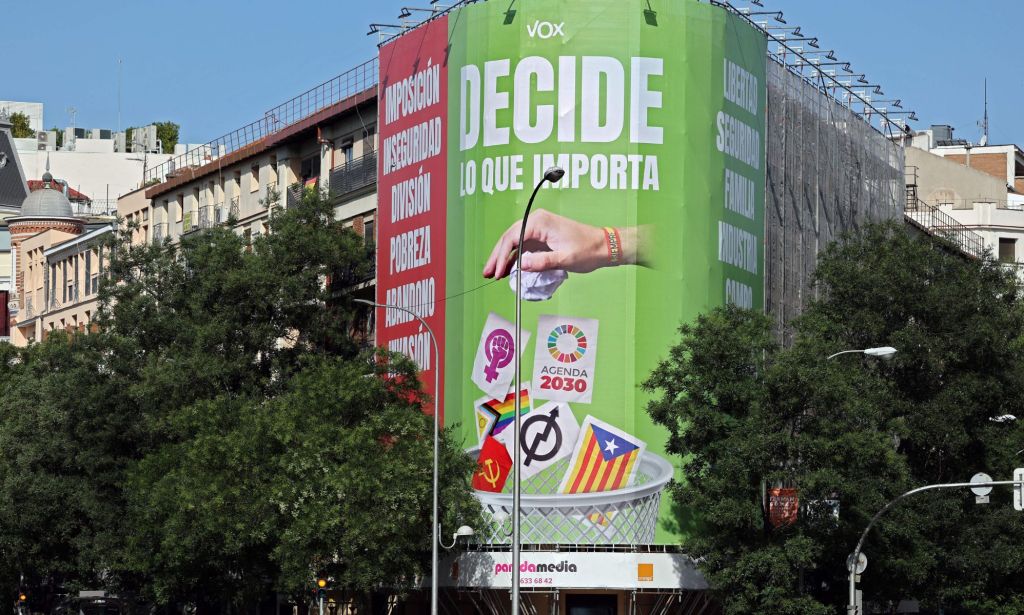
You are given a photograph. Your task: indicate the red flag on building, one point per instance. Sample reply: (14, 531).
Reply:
(495, 464)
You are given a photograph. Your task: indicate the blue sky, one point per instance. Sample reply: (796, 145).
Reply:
(214, 66)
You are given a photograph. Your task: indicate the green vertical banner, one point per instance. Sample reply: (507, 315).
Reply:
(656, 116)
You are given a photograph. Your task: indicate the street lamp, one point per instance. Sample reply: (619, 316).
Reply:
(553, 175)
(436, 525)
(882, 352)
(464, 530)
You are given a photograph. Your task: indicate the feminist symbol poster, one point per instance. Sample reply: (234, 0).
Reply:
(564, 359)
(494, 366)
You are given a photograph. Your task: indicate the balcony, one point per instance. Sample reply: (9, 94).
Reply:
(159, 232)
(293, 195)
(205, 218)
(220, 214)
(273, 198)
(354, 175)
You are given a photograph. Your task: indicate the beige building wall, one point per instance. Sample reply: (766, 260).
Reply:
(75, 269)
(944, 181)
(249, 187)
(32, 268)
(134, 209)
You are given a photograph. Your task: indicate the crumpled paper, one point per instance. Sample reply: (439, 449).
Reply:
(537, 285)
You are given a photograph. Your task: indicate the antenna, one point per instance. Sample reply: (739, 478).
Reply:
(984, 121)
(119, 63)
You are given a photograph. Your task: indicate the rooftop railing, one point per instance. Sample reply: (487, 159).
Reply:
(330, 92)
(333, 91)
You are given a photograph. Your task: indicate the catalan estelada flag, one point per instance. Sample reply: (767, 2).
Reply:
(504, 410)
(605, 458)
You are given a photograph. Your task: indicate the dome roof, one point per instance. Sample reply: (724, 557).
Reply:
(46, 203)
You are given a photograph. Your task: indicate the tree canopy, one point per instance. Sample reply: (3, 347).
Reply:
(851, 433)
(226, 433)
(20, 127)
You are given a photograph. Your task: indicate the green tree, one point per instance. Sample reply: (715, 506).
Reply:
(745, 414)
(279, 449)
(68, 435)
(167, 132)
(20, 127)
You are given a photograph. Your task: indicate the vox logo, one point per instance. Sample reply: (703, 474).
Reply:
(545, 29)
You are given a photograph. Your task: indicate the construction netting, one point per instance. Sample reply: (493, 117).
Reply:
(829, 171)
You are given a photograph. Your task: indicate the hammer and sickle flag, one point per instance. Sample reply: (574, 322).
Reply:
(494, 465)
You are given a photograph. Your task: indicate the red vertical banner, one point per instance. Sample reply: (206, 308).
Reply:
(783, 504)
(412, 187)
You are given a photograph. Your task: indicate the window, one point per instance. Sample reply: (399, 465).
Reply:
(368, 231)
(310, 168)
(247, 235)
(238, 182)
(179, 208)
(254, 178)
(1007, 250)
(88, 273)
(346, 152)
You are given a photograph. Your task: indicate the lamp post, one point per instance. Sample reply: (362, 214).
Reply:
(436, 526)
(852, 562)
(551, 175)
(882, 352)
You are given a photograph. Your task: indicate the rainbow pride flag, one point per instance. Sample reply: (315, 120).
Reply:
(605, 458)
(503, 410)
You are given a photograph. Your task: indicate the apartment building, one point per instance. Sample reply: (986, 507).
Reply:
(56, 264)
(980, 187)
(325, 139)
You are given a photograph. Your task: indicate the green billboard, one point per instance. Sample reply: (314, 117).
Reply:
(657, 119)
(656, 116)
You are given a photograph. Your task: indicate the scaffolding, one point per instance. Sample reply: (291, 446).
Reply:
(829, 172)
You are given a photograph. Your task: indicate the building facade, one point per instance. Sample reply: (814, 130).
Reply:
(326, 142)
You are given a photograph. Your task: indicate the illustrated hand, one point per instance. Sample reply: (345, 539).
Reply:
(553, 242)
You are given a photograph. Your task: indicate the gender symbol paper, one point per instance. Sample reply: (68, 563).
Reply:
(494, 366)
(564, 359)
(547, 435)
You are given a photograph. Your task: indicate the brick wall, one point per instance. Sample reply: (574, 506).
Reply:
(991, 164)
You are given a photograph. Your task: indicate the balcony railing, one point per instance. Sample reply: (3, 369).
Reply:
(159, 232)
(220, 214)
(273, 198)
(95, 207)
(29, 308)
(333, 91)
(205, 217)
(293, 196)
(354, 175)
(233, 210)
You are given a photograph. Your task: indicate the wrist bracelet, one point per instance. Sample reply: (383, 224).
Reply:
(611, 237)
